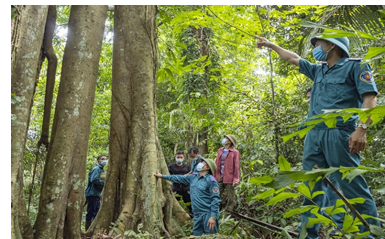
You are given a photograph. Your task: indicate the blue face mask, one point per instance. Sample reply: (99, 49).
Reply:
(200, 167)
(319, 54)
(103, 163)
(224, 141)
(179, 160)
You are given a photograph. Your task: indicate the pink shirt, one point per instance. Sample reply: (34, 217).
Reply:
(231, 169)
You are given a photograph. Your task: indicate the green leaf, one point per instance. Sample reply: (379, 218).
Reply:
(169, 73)
(366, 35)
(376, 230)
(285, 234)
(259, 180)
(266, 194)
(303, 232)
(320, 218)
(315, 194)
(304, 190)
(311, 24)
(374, 51)
(181, 45)
(282, 196)
(354, 173)
(380, 190)
(334, 33)
(283, 164)
(301, 133)
(291, 213)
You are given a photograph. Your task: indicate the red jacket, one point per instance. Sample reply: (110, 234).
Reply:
(231, 169)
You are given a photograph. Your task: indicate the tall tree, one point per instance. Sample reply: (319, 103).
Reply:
(135, 152)
(62, 191)
(26, 38)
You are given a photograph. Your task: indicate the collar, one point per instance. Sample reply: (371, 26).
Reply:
(100, 166)
(342, 61)
(230, 149)
(206, 175)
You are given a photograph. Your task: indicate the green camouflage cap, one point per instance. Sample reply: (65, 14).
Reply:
(232, 138)
(211, 164)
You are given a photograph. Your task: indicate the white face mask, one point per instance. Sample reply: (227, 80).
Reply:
(200, 167)
(224, 141)
(103, 163)
(179, 160)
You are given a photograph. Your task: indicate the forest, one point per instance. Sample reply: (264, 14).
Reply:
(138, 83)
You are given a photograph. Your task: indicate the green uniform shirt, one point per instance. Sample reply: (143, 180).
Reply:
(204, 192)
(338, 87)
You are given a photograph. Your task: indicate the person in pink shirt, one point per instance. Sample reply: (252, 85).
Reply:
(227, 171)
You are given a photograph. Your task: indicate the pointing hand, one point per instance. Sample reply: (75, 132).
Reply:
(262, 42)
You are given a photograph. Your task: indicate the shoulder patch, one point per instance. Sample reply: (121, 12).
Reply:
(215, 190)
(354, 59)
(366, 77)
(212, 178)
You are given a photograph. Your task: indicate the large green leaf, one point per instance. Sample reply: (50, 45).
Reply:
(283, 164)
(305, 23)
(282, 196)
(304, 190)
(261, 180)
(376, 230)
(374, 51)
(266, 194)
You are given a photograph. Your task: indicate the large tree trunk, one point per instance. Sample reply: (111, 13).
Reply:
(134, 143)
(26, 40)
(62, 191)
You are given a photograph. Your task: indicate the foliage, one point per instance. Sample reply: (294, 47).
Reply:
(233, 85)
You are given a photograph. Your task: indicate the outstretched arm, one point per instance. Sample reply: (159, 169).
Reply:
(286, 55)
(184, 179)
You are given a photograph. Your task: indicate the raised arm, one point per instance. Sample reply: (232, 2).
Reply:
(286, 55)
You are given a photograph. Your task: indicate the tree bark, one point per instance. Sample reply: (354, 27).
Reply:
(134, 143)
(202, 135)
(62, 190)
(49, 53)
(26, 39)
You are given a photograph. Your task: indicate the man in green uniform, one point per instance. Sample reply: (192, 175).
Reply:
(195, 157)
(204, 192)
(339, 83)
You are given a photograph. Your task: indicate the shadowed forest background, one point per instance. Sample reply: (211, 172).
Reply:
(139, 83)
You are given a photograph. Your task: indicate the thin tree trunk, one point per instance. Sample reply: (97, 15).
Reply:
(26, 40)
(48, 52)
(62, 190)
(202, 134)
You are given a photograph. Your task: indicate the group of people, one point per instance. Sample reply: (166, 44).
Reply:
(339, 82)
(205, 183)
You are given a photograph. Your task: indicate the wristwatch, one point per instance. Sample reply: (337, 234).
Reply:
(363, 126)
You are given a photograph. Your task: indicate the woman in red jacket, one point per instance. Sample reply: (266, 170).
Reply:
(227, 171)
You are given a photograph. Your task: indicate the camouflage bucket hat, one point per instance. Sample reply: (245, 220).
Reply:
(232, 138)
(211, 164)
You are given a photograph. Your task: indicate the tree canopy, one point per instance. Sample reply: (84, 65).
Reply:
(211, 80)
